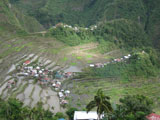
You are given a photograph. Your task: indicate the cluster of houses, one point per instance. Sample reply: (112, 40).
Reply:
(36, 71)
(11, 83)
(43, 75)
(100, 65)
(46, 77)
(63, 94)
(76, 29)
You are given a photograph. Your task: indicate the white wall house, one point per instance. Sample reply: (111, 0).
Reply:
(83, 115)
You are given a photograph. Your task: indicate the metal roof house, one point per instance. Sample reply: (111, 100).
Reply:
(83, 115)
(153, 117)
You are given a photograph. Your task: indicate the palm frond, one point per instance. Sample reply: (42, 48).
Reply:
(91, 105)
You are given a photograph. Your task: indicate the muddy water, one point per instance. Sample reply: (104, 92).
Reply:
(55, 68)
(31, 55)
(27, 102)
(47, 62)
(34, 58)
(13, 67)
(40, 59)
(7, 78)
(46, 106)
(19, 81)
(28, 91)
(35, 95)
(73, 69)
(5, 94)
(50, 65)
(20, 97)
(3, 87)
(53, 101)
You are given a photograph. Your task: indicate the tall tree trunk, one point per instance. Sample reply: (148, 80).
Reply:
(99, 116)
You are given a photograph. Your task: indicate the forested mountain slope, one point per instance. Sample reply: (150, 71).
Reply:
(12, 20)
(146, 13)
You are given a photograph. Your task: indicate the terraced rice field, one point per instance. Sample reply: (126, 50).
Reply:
(26, 90)
(83, 90)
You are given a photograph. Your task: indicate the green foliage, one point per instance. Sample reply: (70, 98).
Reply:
(106, 45)
(101, 102)
(120, 33)
(135, 107)
(124, 33)
(128, 21)
(141, 64)
(12, 109)
(70, 113)
(13, 1)
(59, 115)
(70, 37)
(84, 12)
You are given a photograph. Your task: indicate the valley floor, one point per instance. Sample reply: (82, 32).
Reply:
(17, 50)
(83, 90)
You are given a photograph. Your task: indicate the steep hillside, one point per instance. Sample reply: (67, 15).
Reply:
(12, 20)
(87, 12)
(8, 20)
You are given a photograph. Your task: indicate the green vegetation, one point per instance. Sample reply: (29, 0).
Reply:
(70, 113)
(128, 21)
(130, 25)
(135, 107)
(121, 33)
(102, 103)
(87, 12)
(13, 109)
(58, 115)
(116, 89)
(13, 21)
(141, 64)
(71, 37)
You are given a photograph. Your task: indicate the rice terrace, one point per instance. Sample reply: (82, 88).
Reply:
(79, 60)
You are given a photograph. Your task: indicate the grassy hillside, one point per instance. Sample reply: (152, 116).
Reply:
(88, 12)
(8, 20)
(141, 64)
(120, 33)
(12, 20)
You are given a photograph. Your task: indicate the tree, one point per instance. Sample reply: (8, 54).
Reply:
(70, 112)
(11, 109)
(101, 102)
(135, 107)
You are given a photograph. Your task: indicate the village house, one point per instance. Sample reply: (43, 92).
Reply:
(99, 65)
(83, 115)
(59, 75)
(63, 102)
(91, 65)
(10, 83)
(27, 62)
(153, 116)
